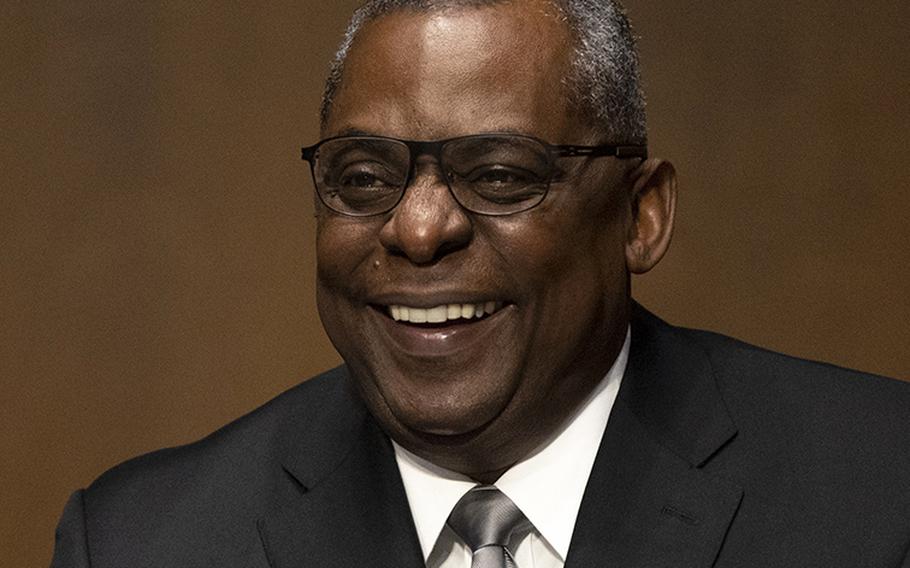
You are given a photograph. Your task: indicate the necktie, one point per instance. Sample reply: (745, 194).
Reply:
(485, 520)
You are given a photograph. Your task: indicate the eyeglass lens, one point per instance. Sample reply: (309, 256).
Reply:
(490, 174)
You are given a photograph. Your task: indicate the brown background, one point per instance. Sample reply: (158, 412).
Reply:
(156, 221)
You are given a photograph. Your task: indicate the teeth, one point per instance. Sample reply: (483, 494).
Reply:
(417, 315)
(444, 312)
(438, 314)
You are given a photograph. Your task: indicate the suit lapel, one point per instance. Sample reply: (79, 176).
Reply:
(339, 500)
(648, 502)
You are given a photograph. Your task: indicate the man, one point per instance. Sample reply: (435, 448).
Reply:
(484, 194)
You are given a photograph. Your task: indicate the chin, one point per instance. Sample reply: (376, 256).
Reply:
(462, 416)
(444, 425)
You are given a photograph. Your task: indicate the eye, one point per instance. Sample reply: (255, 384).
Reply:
(365, 176)
(363, 185)
(501, 176)
(498, 176)
(502, 184)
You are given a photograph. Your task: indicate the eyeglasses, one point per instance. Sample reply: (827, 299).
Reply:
(489, 174)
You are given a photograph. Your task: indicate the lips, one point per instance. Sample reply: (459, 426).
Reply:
(444, 312)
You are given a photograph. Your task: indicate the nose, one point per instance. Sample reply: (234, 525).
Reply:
(427, 224)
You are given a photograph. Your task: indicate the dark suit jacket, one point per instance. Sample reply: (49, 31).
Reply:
(716, 454)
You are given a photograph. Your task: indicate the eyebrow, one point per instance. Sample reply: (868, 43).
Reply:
(359, 132)
(354, 132)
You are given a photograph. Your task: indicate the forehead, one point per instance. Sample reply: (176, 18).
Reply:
(451, 72)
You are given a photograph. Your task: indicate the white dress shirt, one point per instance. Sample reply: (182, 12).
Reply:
(547, 486)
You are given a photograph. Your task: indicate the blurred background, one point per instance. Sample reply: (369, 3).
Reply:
(156, 224)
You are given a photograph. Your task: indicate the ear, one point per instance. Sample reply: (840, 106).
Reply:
(653, 202)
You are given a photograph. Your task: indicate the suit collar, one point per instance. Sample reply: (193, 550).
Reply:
(649, 502)
(340, 500)
(311, 447)
(646, 506)
(673, 391)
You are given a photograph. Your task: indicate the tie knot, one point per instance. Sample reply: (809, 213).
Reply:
(485, 516)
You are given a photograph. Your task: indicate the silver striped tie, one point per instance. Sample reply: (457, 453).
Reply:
(485, 520)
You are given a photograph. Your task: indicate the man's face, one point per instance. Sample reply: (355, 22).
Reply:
(474, 395)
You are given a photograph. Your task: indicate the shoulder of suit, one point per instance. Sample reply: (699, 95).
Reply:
(737, 361)
(231, 459)
(774, 391)
(815, 406)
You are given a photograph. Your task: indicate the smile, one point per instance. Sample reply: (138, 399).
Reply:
(444, 330)
(444, 312)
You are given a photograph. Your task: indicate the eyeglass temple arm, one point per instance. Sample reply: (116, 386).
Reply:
(629, 151)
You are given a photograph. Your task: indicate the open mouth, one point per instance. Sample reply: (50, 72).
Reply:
(459, 330)
(444, 314)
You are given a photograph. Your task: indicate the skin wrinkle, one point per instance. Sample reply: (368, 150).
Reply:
(561, 265)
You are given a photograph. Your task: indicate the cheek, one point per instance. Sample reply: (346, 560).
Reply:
(552, 250)
(573, 280)
(343, 249)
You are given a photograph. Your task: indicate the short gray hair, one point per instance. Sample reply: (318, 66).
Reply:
(604, 82)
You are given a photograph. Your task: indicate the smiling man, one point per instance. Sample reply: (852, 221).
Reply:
(483, 195)
(492, 296)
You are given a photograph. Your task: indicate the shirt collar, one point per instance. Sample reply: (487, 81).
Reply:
(564, 461)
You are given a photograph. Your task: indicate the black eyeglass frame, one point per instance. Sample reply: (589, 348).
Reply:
(434, 148)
